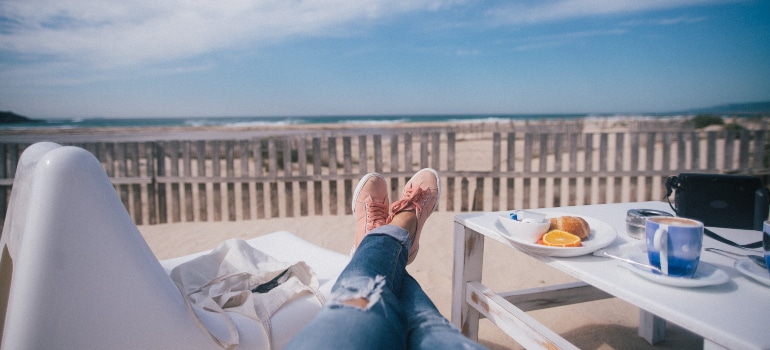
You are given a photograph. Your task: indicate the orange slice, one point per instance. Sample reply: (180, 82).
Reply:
(559, 238)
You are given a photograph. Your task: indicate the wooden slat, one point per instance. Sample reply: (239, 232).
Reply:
(288, 185)
(259, 174)
(496, 168)
(244, 148)
(317, 189)
(189, 206)
(617, 187)
(155, 207)
(394, 193)
(136, 190)
(649, 163)
(558, 143)
(572, 187)
(107, 154)
(745, 146)
(332, 144)
(302, 165)
(554, 296)
(711, 150)
(603, 160)
(377, 143)
(464, 192)
(408, 153)
(347, 165)
(363, 156)
(120, 171)
(450, 180)
(527, 169)
(510, 167)
(634, 162)
(589, 165)
(681, 152)
(667, 148)
(216, 169)
(230, 172)
(176, 197)
(729, 148)
(696, 151)
(478, 195)
(527, 331)
(272, 169)
(200, 158)
(542, 166)
(424, 150)
(760, 138)
(436, 151)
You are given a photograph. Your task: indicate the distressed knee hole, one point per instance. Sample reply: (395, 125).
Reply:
(360, 303)
(359, 292)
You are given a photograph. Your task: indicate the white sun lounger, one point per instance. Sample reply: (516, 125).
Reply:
(75, 273)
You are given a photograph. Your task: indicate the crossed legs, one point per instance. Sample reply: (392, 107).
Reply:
(375, 303)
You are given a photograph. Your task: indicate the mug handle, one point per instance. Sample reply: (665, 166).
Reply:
(660, 243)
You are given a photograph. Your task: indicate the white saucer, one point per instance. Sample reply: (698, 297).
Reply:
(752, 270)
(705, 275)
(602, 235)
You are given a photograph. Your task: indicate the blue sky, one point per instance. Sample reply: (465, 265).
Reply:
(166, 58)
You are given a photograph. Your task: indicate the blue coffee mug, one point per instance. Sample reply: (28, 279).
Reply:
(674, 244)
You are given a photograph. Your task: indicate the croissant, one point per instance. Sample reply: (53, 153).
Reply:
(572, 224)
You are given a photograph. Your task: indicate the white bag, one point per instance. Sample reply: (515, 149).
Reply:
(236, 278)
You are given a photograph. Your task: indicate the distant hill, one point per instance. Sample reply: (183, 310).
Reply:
(734, 108)
(10, 117)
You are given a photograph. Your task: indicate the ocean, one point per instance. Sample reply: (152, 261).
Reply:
(78, 123)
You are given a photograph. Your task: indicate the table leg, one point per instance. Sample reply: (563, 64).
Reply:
(468, 258)
(652, 328)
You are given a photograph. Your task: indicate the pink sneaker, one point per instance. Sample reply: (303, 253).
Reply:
(421, 194)
(370, 205)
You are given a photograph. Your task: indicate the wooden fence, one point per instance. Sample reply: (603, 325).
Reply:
(498, 167)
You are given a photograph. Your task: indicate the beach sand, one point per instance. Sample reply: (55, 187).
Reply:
(606, 324)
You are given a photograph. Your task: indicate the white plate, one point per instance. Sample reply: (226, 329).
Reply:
(705, 275)
(602, 234)
(752, 270)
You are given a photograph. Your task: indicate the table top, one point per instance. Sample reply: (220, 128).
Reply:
(735, 314)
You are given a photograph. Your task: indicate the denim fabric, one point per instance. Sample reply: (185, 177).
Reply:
(426, 327)
(398, 314)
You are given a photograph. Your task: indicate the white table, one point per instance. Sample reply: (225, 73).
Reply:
(734, 315)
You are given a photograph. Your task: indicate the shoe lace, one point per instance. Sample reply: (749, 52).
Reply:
(413, 198)
(376, 214)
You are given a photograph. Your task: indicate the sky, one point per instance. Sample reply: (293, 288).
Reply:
(206, 58)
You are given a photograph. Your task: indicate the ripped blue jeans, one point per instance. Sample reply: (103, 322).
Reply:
(397, 315)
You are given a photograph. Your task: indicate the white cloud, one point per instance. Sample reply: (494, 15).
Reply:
(551, 41)
(111, 33)
(534, 12)
(666, 21)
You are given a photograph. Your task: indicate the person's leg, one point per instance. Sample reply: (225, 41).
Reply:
(426, 327)
(420, 196)
(363, 311)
